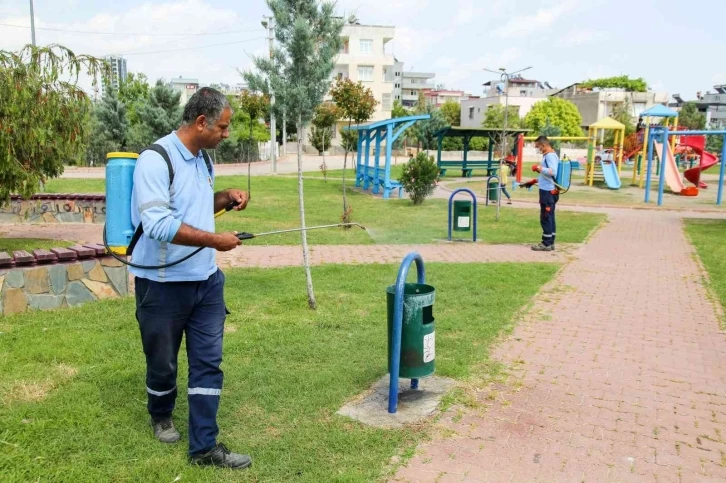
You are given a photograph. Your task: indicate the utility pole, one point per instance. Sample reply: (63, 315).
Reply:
(267, 22)
(505, 77)
(32, 22)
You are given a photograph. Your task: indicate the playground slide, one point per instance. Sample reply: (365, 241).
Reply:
(610, 173)
(672, 175)
(707, 159)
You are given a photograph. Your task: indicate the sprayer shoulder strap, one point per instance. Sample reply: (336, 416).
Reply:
(157, 148)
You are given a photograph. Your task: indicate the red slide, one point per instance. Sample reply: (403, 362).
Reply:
(697, 143)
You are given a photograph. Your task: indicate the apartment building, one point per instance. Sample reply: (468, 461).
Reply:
(712, 104)
(412, 84)
(598, 104)
(185, 86)
(118, 72)
(522, 93)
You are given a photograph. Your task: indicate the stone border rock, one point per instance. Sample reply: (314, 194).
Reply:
(59, 277)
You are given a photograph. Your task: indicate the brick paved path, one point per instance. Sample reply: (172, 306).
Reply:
(281, 256)
(618, 374)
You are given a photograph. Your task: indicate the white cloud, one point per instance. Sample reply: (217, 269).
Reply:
(580, 38)
(526, 25)
(455, 72)
(137, 35)
(411, 45)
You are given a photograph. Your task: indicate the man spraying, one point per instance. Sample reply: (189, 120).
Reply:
(549, 194)
(177, 214)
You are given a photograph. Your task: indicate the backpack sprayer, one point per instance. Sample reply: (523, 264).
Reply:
(119, 235)
(563, 180)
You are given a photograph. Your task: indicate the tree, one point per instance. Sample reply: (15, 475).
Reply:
(356, 104)
(690, 118)
(253, 107)
(44, 115)
(246, 129)
(452, 112)
(321, 134)
(617, 82)
(494, 119)
(400, 111)
(132, 92)
(714, 145)
(425, 130)
(109, 128)
(308, 41)
(560, 112)
(623, 114)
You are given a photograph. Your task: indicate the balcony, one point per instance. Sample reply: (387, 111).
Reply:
(407, 84)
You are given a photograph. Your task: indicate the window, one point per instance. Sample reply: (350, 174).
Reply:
(523, 93)
(386, 102)
(387, 74)
(471, 112)
(365, 73)
(344, 47)
(366, 46)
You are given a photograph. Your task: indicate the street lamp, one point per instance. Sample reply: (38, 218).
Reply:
(268, 24)
(504, 76)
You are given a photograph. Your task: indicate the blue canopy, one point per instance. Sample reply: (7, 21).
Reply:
(659, 110)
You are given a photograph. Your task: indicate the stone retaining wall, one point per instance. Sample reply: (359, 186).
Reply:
(54, 208)
(61, 285)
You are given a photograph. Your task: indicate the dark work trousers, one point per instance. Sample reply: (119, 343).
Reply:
(547, 203)
(166, 311)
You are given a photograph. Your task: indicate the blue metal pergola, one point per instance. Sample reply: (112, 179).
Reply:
(375, 174)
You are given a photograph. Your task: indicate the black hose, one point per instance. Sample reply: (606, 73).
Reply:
(146, 267)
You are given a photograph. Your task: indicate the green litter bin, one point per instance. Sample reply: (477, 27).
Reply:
(493, 190)
(462, 215)
(417, 330)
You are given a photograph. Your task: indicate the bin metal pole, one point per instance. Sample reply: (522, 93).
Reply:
(451, 200)
(499, 195)
(398, 325)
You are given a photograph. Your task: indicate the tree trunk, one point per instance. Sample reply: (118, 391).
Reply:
(345, 218)
(303, 234)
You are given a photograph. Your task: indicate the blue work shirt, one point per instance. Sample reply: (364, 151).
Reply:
(162, 210)
(545, 180)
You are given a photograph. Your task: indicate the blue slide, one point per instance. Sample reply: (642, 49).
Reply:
(610, 173)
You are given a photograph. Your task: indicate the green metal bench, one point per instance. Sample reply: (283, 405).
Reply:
(467, 167)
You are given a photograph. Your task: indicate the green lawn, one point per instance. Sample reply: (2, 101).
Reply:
(29, 244)
(707, 236)
(274, 206)
(73, 405)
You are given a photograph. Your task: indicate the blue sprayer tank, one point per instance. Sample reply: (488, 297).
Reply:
(119, 184)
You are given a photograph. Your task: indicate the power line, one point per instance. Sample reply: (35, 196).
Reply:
(126, 34)
(193, 48)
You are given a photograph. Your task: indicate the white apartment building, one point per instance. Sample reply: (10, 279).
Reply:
(413, 83)
(118, 72)
(522, 93)
(187, 87)
(364, 58)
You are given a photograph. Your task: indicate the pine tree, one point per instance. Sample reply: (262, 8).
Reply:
(308, 41)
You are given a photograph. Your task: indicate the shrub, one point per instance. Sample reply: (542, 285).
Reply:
(320, 138)
(419, 177)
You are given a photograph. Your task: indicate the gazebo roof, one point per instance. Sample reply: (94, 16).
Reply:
(457, 131)
(394, 121)
(608, 123)
(659, 110)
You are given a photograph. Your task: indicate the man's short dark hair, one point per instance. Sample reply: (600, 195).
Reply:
(205, 102)
(543, 140)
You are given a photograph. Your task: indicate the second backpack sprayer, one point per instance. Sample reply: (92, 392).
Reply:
(120, 235)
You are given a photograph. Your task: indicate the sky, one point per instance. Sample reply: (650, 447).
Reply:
(670, 43)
